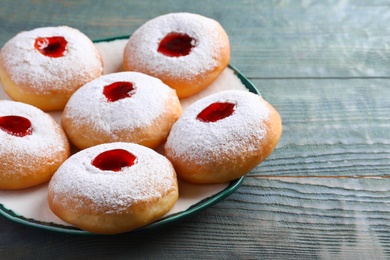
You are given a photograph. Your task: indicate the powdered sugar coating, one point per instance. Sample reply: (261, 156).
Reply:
(77, 180)
(191, 139)
(143, 44)
(28, 68)
(44, 141)
(89, 106)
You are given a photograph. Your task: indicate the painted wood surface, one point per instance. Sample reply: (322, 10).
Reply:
(325, 191)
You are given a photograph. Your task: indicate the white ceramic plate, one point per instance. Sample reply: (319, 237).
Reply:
(30, 206)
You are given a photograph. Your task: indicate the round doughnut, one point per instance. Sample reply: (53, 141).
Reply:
(32, 145)
(44, 66)
(121, 107)
(186, 51)
(113, 188)
(222, 137)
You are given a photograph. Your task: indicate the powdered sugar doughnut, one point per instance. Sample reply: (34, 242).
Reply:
(186, 51)
(32, 145)
(44, 66)
(113, 188)
(223, 136)
(124, 106)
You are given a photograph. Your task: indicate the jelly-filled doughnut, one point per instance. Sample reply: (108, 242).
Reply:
(121, 107)
(45, 66)
(186, 51)
(113, 188)
(32, 145)
(222, 137)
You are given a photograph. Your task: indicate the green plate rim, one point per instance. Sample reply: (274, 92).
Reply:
(205, 203)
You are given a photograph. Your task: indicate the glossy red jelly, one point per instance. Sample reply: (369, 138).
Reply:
(176, 44)
(53, 47)
(16, 125)
(118, 90)
(216, 111)
(114, 160)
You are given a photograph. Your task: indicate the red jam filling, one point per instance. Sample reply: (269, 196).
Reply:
(53, 47)
(216, 111)
(176, 44)
(114, 160)
(16, 125)
(118, 90)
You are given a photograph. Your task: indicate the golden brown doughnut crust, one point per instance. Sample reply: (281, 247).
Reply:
(108, 202)
(136, 216)
(154, 135)
(186, 83)
(47, 83)
(85, 126)
(21, 169)
(32, 171)
(227, 165)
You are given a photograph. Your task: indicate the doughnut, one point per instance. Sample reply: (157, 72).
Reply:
(222, 137)
(113, 188)
(44, 66)
(186, 51)
(121, 107)
(32, 146)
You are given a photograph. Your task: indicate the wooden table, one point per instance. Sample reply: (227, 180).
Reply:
(324, 193)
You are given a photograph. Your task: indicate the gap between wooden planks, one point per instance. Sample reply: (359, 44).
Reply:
(317, 177)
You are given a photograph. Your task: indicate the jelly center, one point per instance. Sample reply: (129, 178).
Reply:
(118, 90)
(176, 44)
(53, 47)
(15, 125)
(216, 111)
(114, 160)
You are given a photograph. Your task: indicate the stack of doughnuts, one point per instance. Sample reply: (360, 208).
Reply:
(118, 178)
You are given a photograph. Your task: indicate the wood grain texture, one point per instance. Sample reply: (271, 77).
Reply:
(277, 218)
(331, 127)
(324, 65)
(300, 39)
